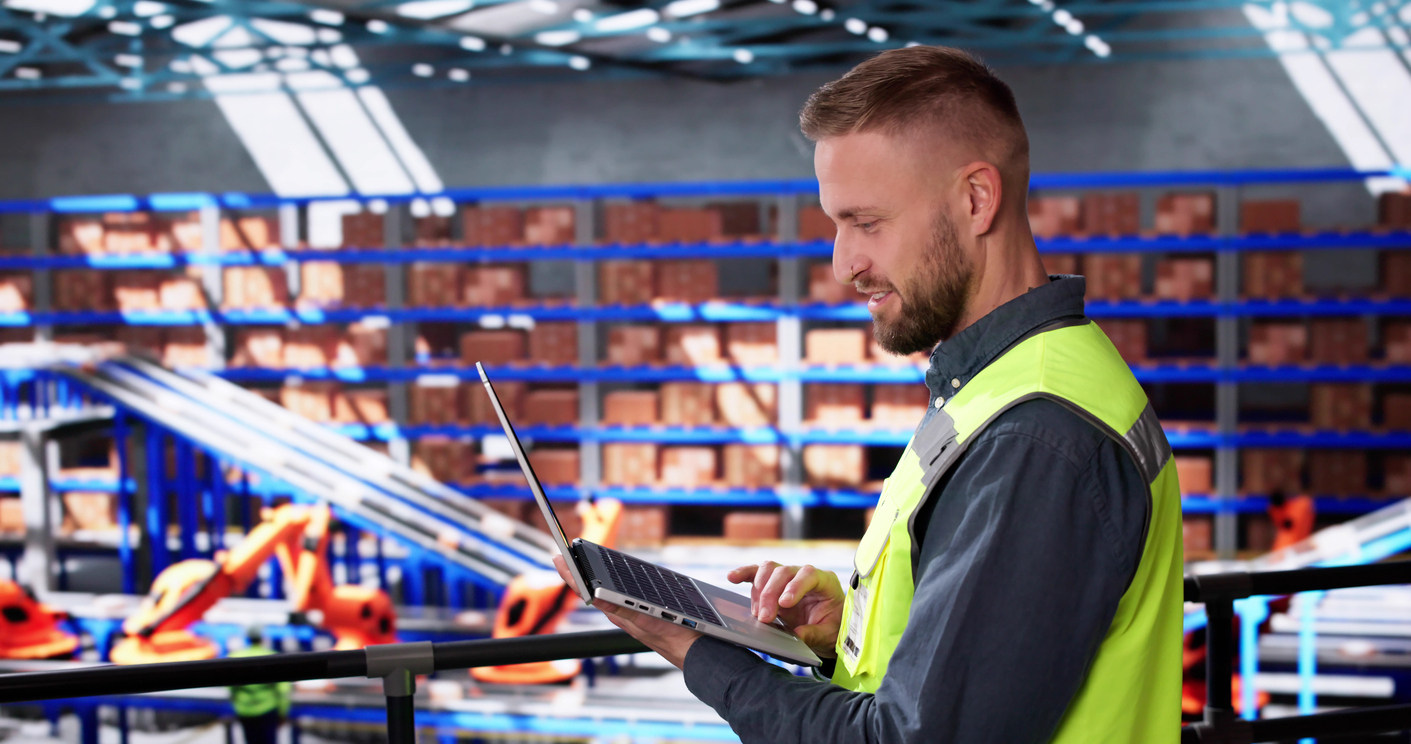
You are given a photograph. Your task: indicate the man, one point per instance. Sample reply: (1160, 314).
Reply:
(1021, 577)
(260, 708)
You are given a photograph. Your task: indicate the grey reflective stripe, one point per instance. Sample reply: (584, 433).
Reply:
(935, 446)
(1148, 442)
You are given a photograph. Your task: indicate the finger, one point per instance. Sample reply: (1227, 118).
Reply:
(769, 596)
(760, 578)
(562, 566)
(803, 582)
(742, 574)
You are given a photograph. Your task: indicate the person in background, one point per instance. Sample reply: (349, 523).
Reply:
(260, 708)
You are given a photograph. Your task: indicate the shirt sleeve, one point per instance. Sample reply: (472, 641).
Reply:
(1030, 543)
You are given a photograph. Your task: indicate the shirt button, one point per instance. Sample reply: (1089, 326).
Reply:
(955, 382)
(940, 402)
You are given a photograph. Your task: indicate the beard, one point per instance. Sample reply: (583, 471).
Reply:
(933, 301)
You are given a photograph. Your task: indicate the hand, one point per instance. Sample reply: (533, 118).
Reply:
(808, 600)
(670, 640)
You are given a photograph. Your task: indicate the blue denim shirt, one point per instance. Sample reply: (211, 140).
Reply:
(1025, 548)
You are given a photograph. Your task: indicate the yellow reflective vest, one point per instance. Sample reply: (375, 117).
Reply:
(250, 701)
(1132, 692)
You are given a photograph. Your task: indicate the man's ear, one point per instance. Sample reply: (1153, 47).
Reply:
(984, 191)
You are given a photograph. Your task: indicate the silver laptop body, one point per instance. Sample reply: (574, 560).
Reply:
(625, 581)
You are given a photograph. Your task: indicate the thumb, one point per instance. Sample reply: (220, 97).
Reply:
(813, 635)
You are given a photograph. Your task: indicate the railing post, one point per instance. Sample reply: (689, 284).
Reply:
(398, 664)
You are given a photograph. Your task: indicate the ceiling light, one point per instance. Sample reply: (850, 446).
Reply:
(627, 21)
(1062, 16)
(421, 69)
(295, 34)
(145, 8)
(428, 9)
(806, 7)
(180, 66)
(583, 15)
(877, 34)
(326, 17)
(579, 62)
(1074, 27)
(55, 7)
(343, 56)
(107, 11)
(378, 26)
(826, 14)
(557, 38)
(442, 206)
(420, 208)
(128, 60)
(357, 77)
(10, 47)
(290, 64)
(177, 88)
(1097, 45)
(124, 28)
(547, 7)
(686, 8)
(458, 75)
(855, 26)
(911, 44)
(322, 58)
(162, 21)
(743, 56)
(506, 49)
(328, 36)
(130, 83)
(27, 73)
(472, 43)
(658, 34)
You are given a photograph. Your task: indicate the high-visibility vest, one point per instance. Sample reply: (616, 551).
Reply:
(251, 701)
(1132, 692)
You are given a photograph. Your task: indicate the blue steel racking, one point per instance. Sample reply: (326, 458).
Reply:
(1226, 371)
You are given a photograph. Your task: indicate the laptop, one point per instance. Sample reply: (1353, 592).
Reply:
(625, 581)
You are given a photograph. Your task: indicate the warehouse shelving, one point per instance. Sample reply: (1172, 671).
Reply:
(1226, 371)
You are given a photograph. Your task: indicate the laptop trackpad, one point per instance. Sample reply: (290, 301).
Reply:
(734, 609)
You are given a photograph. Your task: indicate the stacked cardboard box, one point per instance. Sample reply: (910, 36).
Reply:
(752, 526)
(635, 222)
(1396, 273)
(554, 344)
(1113, 276)
(312, 400)
(81, 236)
(434, 404)
(1272, 275)
(181, 292)
(746, 403)
(1340, 405)
(752, 344)
(1185, 279)
(1337, 472)
(1396, 341)
(1274, 343)
(1128, 335)
(626, 282)
(258, 347)
(1394, 210)
(1265, 471)
(82, 290)
(643, 526)
(835, 346)
(687, 404)
(833, 404)
(492, 347)
(492, 226)
(367, 407)
(1112, 214)
(814, 224)
(1270, 216)
(363, 230)
(823, 287)
(633, 345)
(835, 465)
(322, 284)
(9, 458)
(549, 226)
(147, 340)
(899, 406)
(693, 345)
(567, 513)
(556, 467)
(1396, 471)
(687, 281)
(86, 510)
(361, 345)
(184, 233)
(443, 458)
(689, 225)
(1061, 263)
(185, 347)
(551, 407)
(1196, 533)
(16, 292)
(491, 286)
(631, 408)
(1258, 533)
(688, 467)
(740, 219)
(1396, 411)
(629, 464)
(129, 232)
(479, 410)
(364, 285)
(255, 287)
(1054, 216)
(751, 465)
(11, 515)
(431, 230)
(1338, 340)
(249, 233)
(1185, 214)
(308, 347)
(1193, 472)
(432, 284)
(137, 291)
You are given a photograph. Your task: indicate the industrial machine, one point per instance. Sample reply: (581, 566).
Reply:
(29, 629)
(357, 616)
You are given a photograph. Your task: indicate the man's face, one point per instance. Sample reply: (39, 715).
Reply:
(896, 240)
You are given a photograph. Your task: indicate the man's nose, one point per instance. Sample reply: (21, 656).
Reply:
(848, 261)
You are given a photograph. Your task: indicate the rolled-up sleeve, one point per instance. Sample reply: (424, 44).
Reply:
(1029, 545)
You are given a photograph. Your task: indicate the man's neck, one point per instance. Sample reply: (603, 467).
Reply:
(1010, 267)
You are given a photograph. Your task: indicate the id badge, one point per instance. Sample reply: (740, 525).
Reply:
(857, 626)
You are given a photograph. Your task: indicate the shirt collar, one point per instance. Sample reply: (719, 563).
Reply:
(955, 362)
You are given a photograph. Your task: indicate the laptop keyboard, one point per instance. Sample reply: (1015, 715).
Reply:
(660, 587)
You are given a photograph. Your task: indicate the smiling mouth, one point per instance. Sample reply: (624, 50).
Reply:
(876, 299)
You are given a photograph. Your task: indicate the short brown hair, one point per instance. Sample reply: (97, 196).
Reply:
(922, 86)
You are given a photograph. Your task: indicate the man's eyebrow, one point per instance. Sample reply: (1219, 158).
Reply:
(851, 212)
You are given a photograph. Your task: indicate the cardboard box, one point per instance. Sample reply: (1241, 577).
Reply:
(491, 286)
(1396, 411)
(568, 516)
(823, 287)
(752, 344)
(1338, 340)
(312, 400)
(363, 230)
(249, 287)
(364, 285)
(1272, 275)
(443, 458)
(1337, 472)
(693, 345)
(554, 344)
(1266, 471)
(815, 224)
(1340, 406)
(492, 347)
(1396, 341)
(689, 225)
(1196, 533)
(86, 510)
(480, 412)
(1274, 343)
(899, 406)
(185, 347)
(629, 464)
(11, 515)
(556, 467)
(492, 226)
(321, 284)
(1055, 216)
(1128, 335)
(549, 226)
(1061, 263)
(137, 291)
(551, 408)
(643, 526)
(751, 465)
(633, 345)
(16, 292)
(747, 404)
(1111, 213)
(82, 236)
(1396, 470)
(1193, 472)
(1394, 210)
(1113, 276)
(631, 408)
(1270, 216)
(634, 222)
(368, 407)
(741, 219)
(688, 467)
(180, 293)
(626, 282)
(128, 232)
(691, 282)
(831, 346)
(258, 347)
(835, 465)
(309, 347)
(1185, 279)
(362, 345)
(753, 525)
(687, 404)
(435, 405)
(249, 233)
(1185, 214)
(830, 404)
(10, 456)
(81, 289)
(431, 230)
(433, 284)
(144, 340)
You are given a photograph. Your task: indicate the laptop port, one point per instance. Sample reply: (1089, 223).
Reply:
(668, 617)
(688, 622)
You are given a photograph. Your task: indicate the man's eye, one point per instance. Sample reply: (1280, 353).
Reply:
(866, 225)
